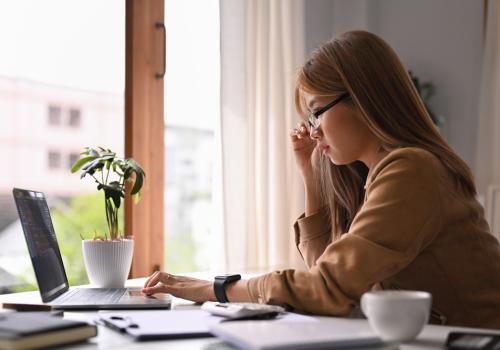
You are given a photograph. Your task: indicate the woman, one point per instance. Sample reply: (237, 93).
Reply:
(389, 205)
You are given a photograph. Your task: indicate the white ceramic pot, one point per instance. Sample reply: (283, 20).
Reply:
(108, 262)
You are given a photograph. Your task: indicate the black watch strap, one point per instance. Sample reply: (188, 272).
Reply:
(220, 283)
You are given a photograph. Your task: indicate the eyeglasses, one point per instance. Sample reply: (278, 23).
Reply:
(313, 118)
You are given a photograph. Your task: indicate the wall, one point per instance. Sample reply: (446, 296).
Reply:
(439, 40)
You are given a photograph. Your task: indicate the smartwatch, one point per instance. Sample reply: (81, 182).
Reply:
(220, 286)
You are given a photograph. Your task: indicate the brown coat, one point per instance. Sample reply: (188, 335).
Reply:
(414, 231)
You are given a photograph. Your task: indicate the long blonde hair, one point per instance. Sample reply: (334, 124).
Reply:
(365, 66)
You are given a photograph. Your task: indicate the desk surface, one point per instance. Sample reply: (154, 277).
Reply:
(432, 337)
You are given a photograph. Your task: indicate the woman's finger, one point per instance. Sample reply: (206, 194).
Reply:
(159, 288)
(295, 135)
(153, 280)
(165, 277)
(150, 277)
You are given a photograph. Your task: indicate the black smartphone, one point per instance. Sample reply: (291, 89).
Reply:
(473, 341)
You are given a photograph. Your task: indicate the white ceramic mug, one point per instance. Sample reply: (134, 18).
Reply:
(397, 315)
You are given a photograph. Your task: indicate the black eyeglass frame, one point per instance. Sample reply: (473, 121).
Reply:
(313, 118)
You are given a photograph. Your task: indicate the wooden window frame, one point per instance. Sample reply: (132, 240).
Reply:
(144, 129)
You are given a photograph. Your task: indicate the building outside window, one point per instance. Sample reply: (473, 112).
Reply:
(54, 160)
(74, 117)
(37, 81)
(72, 158)
(191, 117)
(42, 97)
(54, 115)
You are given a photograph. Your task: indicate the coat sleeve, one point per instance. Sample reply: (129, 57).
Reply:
(399, 218)
(312, 235)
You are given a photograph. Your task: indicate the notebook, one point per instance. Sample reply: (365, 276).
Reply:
(175, 324)
(271, 335)
(172, 324)
(49, 268)
(29, 330)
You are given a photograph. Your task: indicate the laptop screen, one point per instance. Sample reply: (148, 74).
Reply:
(42, 243)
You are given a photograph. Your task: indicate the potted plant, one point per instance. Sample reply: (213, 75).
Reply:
(108, 256)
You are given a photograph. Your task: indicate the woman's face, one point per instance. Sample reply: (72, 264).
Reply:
(342, 135)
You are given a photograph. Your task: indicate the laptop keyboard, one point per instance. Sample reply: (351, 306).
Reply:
(91, 296)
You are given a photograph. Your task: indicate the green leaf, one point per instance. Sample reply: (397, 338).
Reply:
(91, 164)
(137, 168)
(127, 172)
(131, 166)
(114, 191)
(137, 197)
(91, 168)
(138, 183)
(96, 165)
(80, 162)
(92, 152)
(106, 158)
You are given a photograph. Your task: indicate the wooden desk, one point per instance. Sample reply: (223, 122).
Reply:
(432, 337)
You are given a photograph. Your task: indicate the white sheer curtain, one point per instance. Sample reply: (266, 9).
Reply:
(262, 45)
(488, 147)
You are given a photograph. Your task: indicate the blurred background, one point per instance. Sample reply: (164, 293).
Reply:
(62, 79)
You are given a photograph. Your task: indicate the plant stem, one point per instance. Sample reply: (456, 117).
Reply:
(106, 207)
(112, 219)
(107, 175)
(122, 183)
(96, 179)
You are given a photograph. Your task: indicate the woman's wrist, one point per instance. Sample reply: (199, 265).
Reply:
(210, 294)
(313, 200)
(308, 177)
(238, 292)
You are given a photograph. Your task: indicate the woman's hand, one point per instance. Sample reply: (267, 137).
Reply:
(179, 286)
(304, 150)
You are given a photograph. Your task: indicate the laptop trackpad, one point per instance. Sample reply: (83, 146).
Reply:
(135, 295)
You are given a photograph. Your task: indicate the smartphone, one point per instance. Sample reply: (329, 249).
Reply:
(473, 341)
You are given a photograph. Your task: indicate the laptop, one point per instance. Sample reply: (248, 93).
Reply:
(49, 268)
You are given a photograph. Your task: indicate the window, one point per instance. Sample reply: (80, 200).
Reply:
(54, 115)
(74, 117)
(191, 118)
(54, 160)
(60, 61)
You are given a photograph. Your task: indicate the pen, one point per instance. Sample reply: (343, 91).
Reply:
(130, 323)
